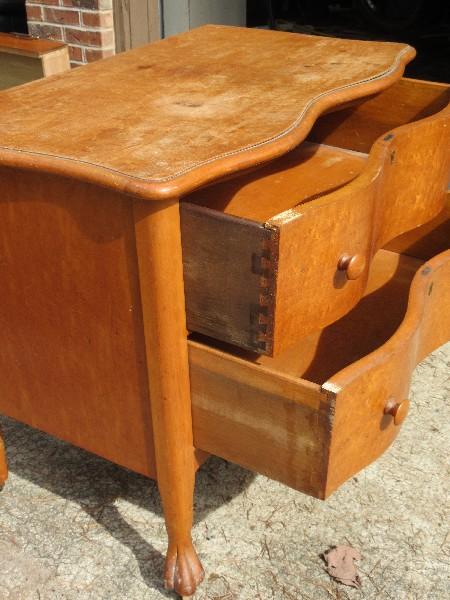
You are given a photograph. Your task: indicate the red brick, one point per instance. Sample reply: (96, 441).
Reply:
(94, 54)
(50, 32)
(76, 53)
(34, 12)
(89, 37)
(64, 17)
(98, 19)
(89, 4)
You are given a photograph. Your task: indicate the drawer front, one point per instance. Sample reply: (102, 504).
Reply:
(264, 286)
(312, 437)
(371, 395)
(403, 186)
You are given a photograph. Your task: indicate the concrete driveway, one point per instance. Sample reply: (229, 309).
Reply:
(75, 527)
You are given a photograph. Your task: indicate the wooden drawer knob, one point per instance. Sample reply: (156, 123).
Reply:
(353, 265)
(398, 410)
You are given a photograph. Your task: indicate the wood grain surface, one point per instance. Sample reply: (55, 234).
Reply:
(190, 108)
(158, 241)
(307, 172)
(363, 389)
(72, 342)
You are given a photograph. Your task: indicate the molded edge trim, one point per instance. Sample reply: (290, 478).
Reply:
(228, 163)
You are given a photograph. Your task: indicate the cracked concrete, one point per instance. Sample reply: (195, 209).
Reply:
(75, 527)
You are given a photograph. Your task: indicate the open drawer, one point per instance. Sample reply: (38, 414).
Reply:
(284, 250)
(321, 411)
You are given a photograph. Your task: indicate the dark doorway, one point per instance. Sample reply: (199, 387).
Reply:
(13, 16)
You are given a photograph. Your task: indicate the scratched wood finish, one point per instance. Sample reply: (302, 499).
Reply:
(301, 286)
(92, 291)
(267, 414)
(222, 119)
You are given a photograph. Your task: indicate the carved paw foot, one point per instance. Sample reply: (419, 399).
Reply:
(183, 570)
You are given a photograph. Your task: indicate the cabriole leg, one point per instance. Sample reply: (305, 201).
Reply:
(158, 240)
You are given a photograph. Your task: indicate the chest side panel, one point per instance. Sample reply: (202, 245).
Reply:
(72, 359)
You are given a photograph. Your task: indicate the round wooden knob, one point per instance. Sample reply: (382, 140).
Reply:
(398, 410)
(353, 265)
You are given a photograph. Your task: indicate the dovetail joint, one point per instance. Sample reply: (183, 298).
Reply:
(262, 315)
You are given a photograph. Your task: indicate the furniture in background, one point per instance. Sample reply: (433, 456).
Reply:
(23, 59)
(196, 262)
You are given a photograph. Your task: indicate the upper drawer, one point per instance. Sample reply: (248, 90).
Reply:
(285, 250)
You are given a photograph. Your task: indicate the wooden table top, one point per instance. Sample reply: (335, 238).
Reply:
(168, 117)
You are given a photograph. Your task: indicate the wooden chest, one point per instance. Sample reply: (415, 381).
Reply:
(213, 264)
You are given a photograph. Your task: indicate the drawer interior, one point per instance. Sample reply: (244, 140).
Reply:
(314, 415)
(262, 251)
(358, 127)
(306, 173)
(318, 356)
(335, 152)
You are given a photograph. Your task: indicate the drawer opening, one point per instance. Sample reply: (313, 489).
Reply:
(309, 171)
(320, 355)
(262, 251)
(357, 127)
(334, 154)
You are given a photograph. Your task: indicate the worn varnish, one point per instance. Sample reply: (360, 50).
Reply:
(229, 98)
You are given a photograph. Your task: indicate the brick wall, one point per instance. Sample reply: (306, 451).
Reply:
(85, 25)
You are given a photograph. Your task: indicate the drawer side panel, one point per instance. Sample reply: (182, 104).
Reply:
(262, 421)
(229, 277)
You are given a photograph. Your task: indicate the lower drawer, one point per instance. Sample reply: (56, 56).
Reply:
(321, 411)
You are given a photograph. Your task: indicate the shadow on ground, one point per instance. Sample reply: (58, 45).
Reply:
(96, 485)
